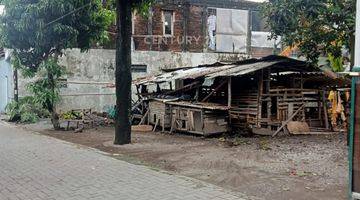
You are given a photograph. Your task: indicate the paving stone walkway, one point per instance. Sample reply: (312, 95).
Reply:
(36, 167)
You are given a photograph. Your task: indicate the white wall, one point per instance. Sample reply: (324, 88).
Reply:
(6, 84)
(98, 65)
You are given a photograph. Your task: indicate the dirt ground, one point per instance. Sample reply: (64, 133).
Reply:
(286, 167)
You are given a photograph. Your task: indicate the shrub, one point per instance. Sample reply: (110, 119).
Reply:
(27, 110)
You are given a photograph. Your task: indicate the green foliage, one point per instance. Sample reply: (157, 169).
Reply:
(27, 110)
(39, 29)
(46, 88)
(142, 7)
(336, 63)
(28, 117)
(317, 27)
(12, 110)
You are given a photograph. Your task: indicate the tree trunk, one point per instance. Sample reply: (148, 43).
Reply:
(55, 118)
(50, 104)
(16, 86)
(123, 73)
(352, 51)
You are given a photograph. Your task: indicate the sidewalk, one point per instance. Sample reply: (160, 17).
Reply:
(35, 167)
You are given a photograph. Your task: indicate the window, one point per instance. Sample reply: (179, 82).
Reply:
(168, 20)
(139, 68)
(63, 83)
(133, 21)
(257, 22)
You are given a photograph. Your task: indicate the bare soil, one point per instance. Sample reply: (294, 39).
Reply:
(286, 167)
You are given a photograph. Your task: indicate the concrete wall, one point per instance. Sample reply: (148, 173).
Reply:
(98, 65)
(6, 84)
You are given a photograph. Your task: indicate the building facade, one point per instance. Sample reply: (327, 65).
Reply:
(175, 34)
(227, 26)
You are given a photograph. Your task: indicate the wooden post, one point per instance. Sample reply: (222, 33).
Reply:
(288, 120)
(320, 109)
(326, 118)
(229, 92)
(163, 123)
(269, 101)
(144, 117)
(138, 91)
(303, 97)
(260, 92)
(197, 93)
(156, 124)
(202, 120)
(171, 115)
(290, 109)
(229, 98)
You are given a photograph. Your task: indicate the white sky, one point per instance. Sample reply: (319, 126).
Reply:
(2, 7)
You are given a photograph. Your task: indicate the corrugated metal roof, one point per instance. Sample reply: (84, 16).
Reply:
(223, 70)
(242, 69)
(189, 73)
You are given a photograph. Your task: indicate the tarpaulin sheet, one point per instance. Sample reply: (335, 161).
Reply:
(261, 39)
(211, 31)
(231, 30)
(231, 43)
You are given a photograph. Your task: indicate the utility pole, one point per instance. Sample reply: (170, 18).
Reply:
(354, 134)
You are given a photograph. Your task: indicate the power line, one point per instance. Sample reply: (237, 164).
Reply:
(72, 12)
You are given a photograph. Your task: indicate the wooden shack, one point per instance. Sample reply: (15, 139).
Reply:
(159, 113)
(260, 95)
(269, 99)
(198, 118)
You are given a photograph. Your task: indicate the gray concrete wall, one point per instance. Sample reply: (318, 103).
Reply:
(98, 65)
(6, 84)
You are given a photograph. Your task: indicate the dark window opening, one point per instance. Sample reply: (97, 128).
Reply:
(63, 83)
(264, 109)
(183, 124)
(139, 68)
(168, 22)
(257, 22)
(274, 107)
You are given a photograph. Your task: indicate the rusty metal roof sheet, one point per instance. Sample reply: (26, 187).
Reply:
(190, 73)
(222, 70)
(242, 69)
(200, 105)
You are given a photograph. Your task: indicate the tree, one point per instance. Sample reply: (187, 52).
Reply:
(316, 27)
(39, 30)
(123, 67)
